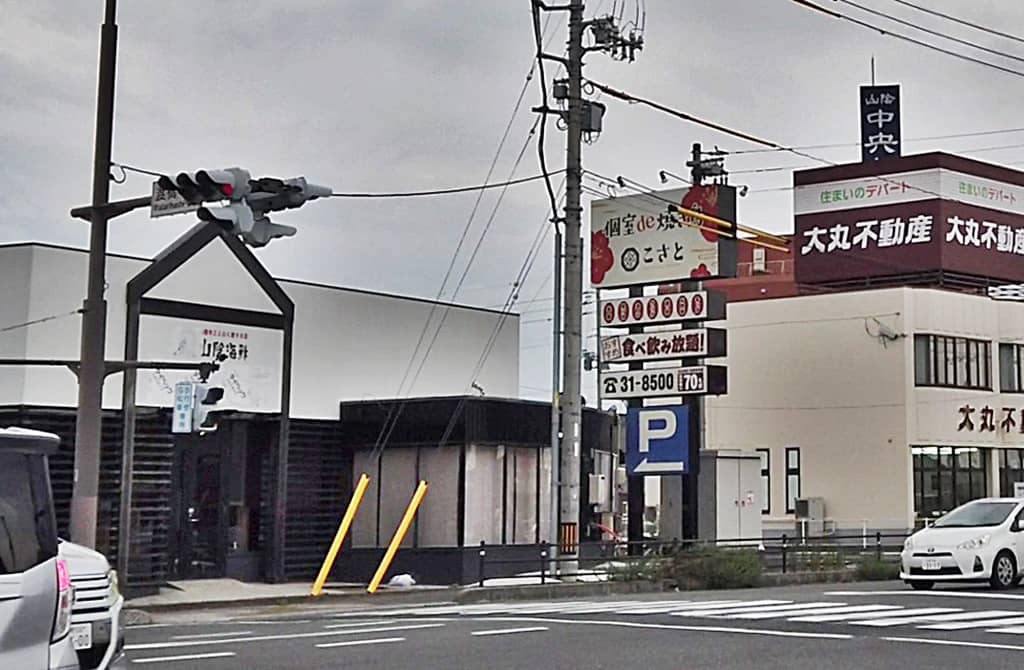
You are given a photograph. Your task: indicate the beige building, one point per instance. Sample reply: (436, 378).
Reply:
(891, 405)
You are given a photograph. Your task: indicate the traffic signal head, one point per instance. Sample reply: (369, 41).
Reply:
(263, 230)
(271, 195)
(206, 397)
(236, 218)
(205, 185)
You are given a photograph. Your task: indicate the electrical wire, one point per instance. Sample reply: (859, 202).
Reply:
(45, 319)
(447, 191)
(843, 145)
(930, 31)
(628, 97)
(888, 33)
(541, 149)
(963, 22)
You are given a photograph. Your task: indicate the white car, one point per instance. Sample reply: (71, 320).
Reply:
(980, 541)
(97, 626)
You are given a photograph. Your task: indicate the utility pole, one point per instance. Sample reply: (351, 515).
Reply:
(569, 451)
(88, 426)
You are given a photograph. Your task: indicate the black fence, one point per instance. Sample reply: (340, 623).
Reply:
(604, 561)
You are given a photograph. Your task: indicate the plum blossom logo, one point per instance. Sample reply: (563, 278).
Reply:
(601, 257)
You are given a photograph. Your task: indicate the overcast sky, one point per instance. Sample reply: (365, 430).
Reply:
(373, 96)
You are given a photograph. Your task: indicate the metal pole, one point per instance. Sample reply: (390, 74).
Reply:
(88, 427)
(131, 352)
(556, 384)
(571, 399)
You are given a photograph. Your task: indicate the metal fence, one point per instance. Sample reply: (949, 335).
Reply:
(604, 561)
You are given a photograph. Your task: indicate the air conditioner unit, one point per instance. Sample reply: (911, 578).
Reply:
(599, 496)
(810, 517)
(760, 260)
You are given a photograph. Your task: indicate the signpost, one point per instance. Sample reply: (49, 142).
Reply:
(664, 382)
(658, 440)
(663, 308)
(166, 202)
(184, 403)
(697, 343)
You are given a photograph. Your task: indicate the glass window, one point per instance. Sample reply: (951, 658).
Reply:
(1011, 469)
(1010, 375)
(766, 480)
(947, 477)
(792, 478)
(959, 362)
(977, 515)
(28, 534)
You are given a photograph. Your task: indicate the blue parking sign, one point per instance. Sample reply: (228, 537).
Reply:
(658, 440)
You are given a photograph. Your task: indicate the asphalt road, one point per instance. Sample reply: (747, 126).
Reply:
(837, 627)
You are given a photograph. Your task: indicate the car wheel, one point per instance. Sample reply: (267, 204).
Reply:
(1004, 571)
(921, 586)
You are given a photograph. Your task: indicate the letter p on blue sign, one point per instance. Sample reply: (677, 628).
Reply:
(657, 440)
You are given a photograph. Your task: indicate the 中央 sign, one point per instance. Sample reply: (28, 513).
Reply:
(880, 123)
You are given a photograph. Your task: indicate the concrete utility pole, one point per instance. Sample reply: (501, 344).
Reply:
(571, 408)
(88, 427)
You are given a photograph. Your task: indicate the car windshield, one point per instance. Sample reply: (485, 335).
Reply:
(977, 514)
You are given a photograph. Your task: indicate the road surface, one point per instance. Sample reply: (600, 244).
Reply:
(811, 627)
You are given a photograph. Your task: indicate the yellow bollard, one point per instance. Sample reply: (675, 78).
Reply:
(339, 537)
(403, 528)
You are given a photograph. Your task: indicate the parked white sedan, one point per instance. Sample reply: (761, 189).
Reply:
(982, 540)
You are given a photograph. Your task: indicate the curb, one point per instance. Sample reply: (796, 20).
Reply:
(360, 596)
(554, 591)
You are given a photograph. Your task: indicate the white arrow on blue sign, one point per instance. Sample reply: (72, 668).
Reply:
(657, 440)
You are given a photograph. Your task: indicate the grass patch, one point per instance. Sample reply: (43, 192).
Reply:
(710, 568)
(873, 570)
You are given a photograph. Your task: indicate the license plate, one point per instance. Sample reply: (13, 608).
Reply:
(932, 564)
(81, 635)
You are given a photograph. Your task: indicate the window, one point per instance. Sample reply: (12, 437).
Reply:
(766, 480)
(941, 360)
(1011, 469)
(947, 477)
(27, 530)
(792, 478)
(1010, 376)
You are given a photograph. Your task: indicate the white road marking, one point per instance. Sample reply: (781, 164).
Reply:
(262, 622)
(830, 618)
(663, 626)
(357, 624)
(356, 643)
(699, 609)
(509, 631)
(966, 625)
(597, 608)
(737, 612)
(187, 657)
(869, 610)
(654, 607)
(1010, 630)
(954, 643)
(937, 594)
(901, 620)
(292, 636)
(202, 635)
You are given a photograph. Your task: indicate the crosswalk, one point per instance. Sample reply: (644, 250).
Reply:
(833, 611)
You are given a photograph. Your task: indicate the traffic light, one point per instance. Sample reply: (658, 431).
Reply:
(207, 185)
(206, 397)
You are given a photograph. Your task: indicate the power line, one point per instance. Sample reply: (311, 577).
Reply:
(963, 22)
(541, 149)
(888, 33)
(446, 191)
(843, 145)
(36, 322)
(929, 31)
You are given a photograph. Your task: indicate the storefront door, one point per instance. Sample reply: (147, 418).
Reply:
(199, 550)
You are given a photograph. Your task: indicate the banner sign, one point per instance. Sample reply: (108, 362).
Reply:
(662, 382)
(635, 240)
(699, 343)
(665, 308)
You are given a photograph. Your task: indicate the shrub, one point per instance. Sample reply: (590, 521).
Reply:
(715, 568)
(871, 570)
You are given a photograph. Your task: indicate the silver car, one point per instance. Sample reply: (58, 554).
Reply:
(97, 626)
(36, 595)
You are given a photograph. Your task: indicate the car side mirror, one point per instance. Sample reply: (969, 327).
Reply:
(1017, 525)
